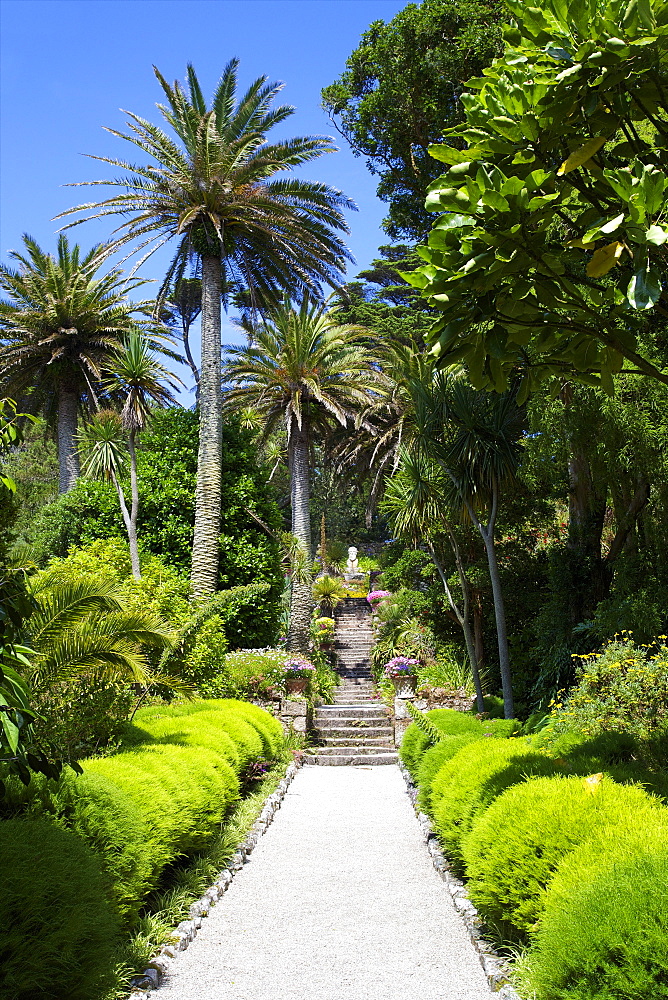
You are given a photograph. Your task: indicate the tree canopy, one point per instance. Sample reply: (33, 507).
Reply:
(550, 247)
(400, 91)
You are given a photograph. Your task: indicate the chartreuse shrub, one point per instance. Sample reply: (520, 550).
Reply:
(606, 937)
(165, 797)
(183, 793)
(451, 723)
(57, 930)
(432, 761)
(101, 814)
(618, 754)
(468, 783)
(514, 847)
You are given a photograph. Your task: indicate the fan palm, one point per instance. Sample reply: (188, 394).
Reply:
(303, 372)
(214, 191)
(139, 378)
(58, 327)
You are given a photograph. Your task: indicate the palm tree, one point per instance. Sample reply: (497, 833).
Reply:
(303, 372)
(416, 501)
(79, 626)
(58, 327)
(474, 437)
(139, 378)
(214, 191)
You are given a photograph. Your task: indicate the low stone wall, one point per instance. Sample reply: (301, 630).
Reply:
(296, 716)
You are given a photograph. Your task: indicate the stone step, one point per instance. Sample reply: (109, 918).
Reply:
(364, 760)
(350, 750)
(359, 741)
(328, 732)
(344, 712)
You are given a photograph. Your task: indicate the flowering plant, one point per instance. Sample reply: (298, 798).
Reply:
(401, 666)
(377, 595)
(297, 666)
(323, 629)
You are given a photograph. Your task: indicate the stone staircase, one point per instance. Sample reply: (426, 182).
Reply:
(357, 728)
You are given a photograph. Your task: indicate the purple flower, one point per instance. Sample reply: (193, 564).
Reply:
(401, 666)
(377, 595)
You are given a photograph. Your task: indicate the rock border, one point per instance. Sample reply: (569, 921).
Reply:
(495, 968)
(143, 985)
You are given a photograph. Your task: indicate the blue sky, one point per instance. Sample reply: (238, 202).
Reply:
(68, 66)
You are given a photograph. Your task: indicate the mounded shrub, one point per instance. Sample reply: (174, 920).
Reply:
(187, 730)
(102, 815)
(514, 848)
(468, 783)
(618, 754)
(56, 929)
(268, 727)
(416, 742)
(606, 938)
(183, 794)
(433, 760)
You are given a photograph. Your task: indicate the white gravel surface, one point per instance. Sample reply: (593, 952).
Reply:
(339, 901)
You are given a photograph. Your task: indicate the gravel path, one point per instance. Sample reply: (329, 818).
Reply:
(339, 901)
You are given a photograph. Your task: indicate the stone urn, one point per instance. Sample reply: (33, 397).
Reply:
(295, 685)
(405, 685)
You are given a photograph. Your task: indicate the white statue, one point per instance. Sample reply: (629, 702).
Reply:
(353, 566)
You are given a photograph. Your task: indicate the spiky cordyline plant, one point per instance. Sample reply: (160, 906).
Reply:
(214, 191)
(59, 325)
(303, 372)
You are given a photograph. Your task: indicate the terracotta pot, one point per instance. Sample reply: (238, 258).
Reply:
(404, 686)
(296, 685)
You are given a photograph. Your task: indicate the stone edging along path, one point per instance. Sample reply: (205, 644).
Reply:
(493, 966)
(143, 985)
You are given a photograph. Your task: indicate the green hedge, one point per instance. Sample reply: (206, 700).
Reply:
(166, 796)
(451, 723)
(607, 937)
(182, 792)
(433, 760)
(468, 783)
(515, 846)
(57, 932)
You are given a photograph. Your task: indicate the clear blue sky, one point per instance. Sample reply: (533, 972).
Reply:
(68, 66)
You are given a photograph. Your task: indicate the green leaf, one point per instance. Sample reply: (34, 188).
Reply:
(656, 235)
(580, 156)
(644, 288)
(448, 154)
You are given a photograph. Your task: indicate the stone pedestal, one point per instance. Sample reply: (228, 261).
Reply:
(296, 715)
(402, 719)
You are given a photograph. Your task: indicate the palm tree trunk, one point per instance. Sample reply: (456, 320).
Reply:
(134, 509)
(301, 596)
(130, 529)
(487, 535)
(204, 573)
(463, 615)
(68, 456)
